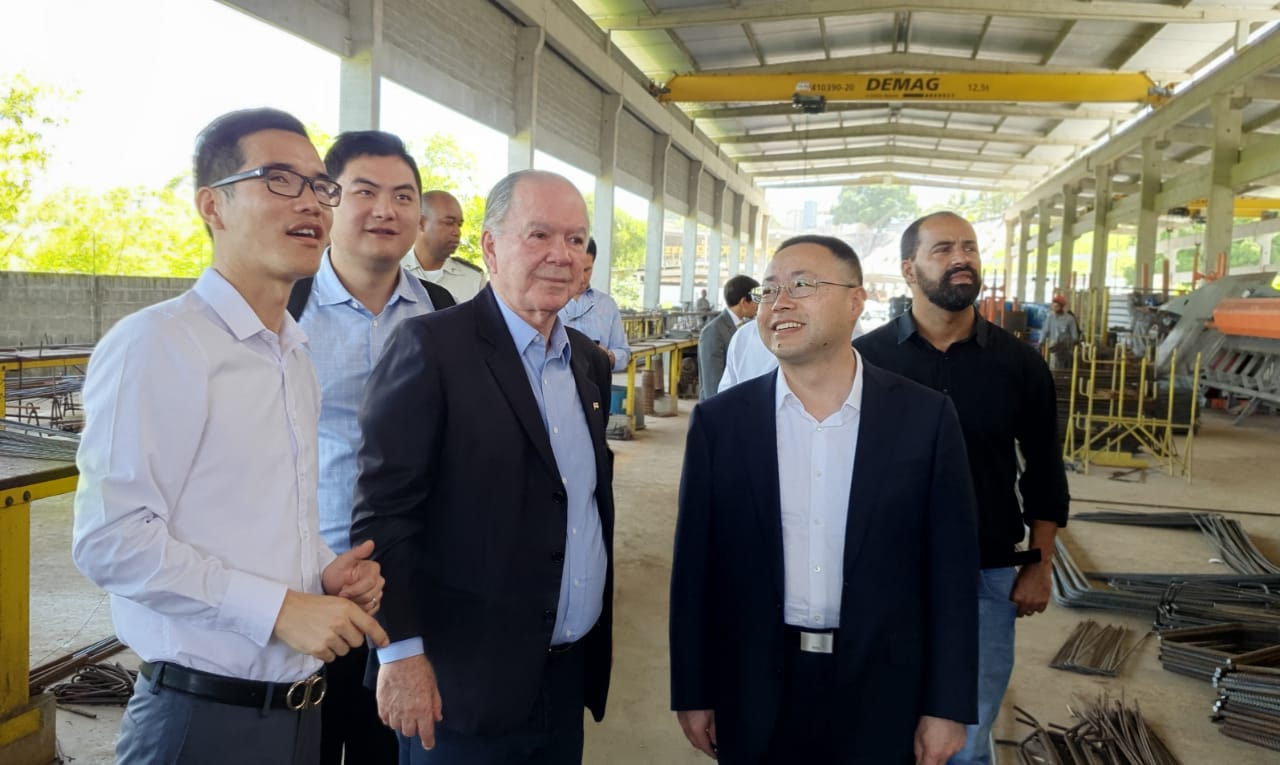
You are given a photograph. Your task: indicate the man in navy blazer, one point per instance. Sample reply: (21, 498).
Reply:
(822, 592)
(486, 484)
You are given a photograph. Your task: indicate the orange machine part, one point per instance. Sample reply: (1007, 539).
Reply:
(1249, 317)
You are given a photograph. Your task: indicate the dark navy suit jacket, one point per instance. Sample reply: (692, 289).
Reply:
(907, 643)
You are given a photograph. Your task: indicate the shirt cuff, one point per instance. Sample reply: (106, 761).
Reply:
(252, 605)
(401, 649)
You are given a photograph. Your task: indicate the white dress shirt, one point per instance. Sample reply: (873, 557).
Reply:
(461, 279)
(196, 507)
(815, 475)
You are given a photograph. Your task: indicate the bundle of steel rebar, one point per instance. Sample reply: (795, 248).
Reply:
(1248, 704)
(1095, 649)
(100, 684)
(1227, 535)
(1072, 588)
(23, 439)
(1200, 652)
(49, 672)
(1204, 603)
(44, 387)
(1109, 733)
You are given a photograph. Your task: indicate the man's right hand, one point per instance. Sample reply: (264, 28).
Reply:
(408, 699)
(699, 727)
(324, 626)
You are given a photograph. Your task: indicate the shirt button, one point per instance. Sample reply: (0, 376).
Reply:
(817, 569)
(558, 556)
(817, 521)
(577, 582)
(817, 618)
(375, 322)
(548, 615)
(573, 531)
(555, 429)
(818, 473)
(819, 428)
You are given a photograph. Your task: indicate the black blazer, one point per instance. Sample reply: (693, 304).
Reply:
(459, 490)
(908, 642)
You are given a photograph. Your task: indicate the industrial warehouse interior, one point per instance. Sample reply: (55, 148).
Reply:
(1118, 162)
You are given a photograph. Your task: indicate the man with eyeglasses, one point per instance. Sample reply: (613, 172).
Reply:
(196, 508)
(1004, 394)
(713, 342)
(823, 607)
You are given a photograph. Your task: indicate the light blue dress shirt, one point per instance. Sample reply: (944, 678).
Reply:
(551, 378)
(345, 340)
(815, 476)
(595, 315)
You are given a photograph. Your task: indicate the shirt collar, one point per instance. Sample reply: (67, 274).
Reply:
(853, 400)
(524, 335)
(230, 306)
(329, 290)
(981, 328)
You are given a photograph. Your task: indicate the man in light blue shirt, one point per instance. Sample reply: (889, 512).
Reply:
(595, 314)
(359, 295)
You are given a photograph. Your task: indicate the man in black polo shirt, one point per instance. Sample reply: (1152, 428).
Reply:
(1004, 394)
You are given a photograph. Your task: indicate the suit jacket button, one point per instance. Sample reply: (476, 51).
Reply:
(549, 615)
(558, 556)
(560, 497)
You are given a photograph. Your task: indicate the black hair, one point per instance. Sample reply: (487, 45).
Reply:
(838, 247)
(911, 236)
(738, 288)
(367, 143)
(591, 247)
(218, 152)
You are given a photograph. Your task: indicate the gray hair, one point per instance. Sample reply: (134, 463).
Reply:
(498, 204)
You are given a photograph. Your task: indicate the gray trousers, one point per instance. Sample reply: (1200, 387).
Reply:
(164, 727)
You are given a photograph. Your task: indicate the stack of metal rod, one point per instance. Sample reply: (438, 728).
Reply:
(1200, 652)
(1109, 733)
(1095, 649)
(65, 666)
(1248, 705)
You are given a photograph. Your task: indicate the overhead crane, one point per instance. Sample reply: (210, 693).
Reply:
(818, 87)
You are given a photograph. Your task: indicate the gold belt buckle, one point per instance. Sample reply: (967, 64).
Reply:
(817, 642)
(303, 694)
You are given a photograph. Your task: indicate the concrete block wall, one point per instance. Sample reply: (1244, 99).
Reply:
(635, 147)
(73, 308)
(569, 109)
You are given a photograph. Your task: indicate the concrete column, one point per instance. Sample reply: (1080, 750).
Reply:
(1222, 199)
(739, 214)
(689, 257)
(715, 237)
(753, 216)
(1148, 215)
(602, 225)
(1044, 216)
(655, 229)
(1265, 257)
(1067, 245)
(1010, 240)
(1024, 245)
(1101, 206)
(529, 44)
(765, 253)
(360, 71)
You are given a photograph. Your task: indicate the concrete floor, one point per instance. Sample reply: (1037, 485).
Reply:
(1233, 472)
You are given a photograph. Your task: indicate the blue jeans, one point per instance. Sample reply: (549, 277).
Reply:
(996, 616)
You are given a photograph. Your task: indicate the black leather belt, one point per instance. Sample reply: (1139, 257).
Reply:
(306, 693)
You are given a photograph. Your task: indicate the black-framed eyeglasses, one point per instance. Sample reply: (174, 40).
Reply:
(287, 183)
(796, 288)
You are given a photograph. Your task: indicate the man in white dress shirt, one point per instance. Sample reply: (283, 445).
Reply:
(196, 507)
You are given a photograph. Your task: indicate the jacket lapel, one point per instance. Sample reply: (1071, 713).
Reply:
(877, 437)
(508, 370)
(759, 421)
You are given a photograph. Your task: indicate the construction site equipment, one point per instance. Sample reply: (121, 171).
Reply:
(1113, 412)
(1096, 649)
(1109, 733)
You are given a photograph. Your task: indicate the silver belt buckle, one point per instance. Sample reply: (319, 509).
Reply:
(817, 642)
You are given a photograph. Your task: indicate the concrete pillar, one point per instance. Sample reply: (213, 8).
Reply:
(753, 216)
(1067, 244)
(1222, 199)
(739, 214)
(715, 237)
(655, 230)
(1265, 257)
(1044, 216)
(360, 72)
(529, 44)
(1101, 206)
(1024, 245)
(765, 253)
(689, 256)
(1009, 243)
(1148, 215)
(602, 225)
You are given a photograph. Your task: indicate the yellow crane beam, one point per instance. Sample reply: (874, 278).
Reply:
(915, 86)
(1245, 207)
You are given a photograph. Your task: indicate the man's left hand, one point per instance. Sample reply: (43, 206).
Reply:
(353, 576)
(1032, 587)
(937, 739)
(608, 353)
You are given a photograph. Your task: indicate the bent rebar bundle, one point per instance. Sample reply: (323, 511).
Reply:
(1095, 649)
(1248, 703)
(1109, 733)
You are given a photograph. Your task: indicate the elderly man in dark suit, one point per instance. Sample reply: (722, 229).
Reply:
(485, 483)
(713, 343)
(822, 592)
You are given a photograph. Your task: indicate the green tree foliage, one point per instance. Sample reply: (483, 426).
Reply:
(23, 153)
(979, 206)
(877, 211)
(626, 283)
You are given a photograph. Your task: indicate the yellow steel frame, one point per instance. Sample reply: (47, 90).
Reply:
(671, 349)
(1103, 433)
(1245, 207)
(26, 725)
(916, 86)
(18, 365)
